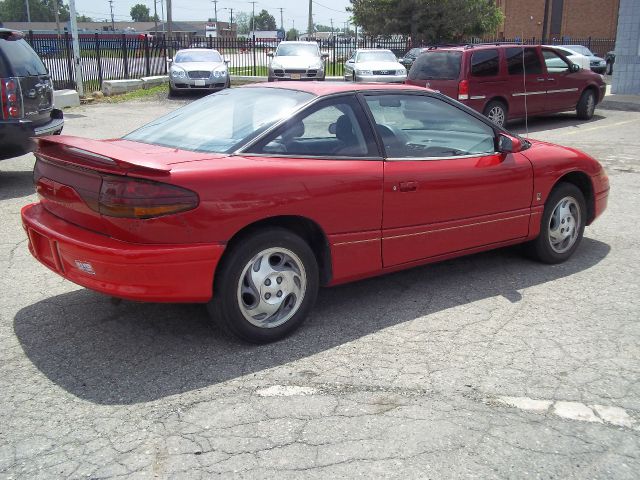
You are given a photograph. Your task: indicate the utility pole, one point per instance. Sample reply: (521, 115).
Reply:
(169, 20)
(331, 20)
(26, 2)
(281, 22)
(215, 13)
(310, 24)
(57, 13)
(155, 17)
(75, 40)
(113, 28)
(253, 16)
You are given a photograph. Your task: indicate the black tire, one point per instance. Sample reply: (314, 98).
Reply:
(173, 93)
(496, 111)
(609, 69)
(226, 308)
(353, 78)
(269, 79)
(542, 248)
(228, 84)
(586, 105)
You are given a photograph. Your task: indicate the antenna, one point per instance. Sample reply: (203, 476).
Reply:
(524, 86)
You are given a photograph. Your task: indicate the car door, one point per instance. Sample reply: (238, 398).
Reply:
(350, 66)
(446, 189)
(563, 88)
(527, 81)
(329, 154)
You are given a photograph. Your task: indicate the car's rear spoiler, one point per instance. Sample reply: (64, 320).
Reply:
(99, 154)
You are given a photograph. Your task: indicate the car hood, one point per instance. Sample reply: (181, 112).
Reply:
(297, 62)
(198, 66)
(379, 66)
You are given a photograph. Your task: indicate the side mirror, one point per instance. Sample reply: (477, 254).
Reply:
(227, 62)
(325, 56)
(509, 144)
(350, 60)
(574, 67)
(270, 54)
(169, 61)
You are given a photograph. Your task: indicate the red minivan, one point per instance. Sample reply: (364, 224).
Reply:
(507, 81)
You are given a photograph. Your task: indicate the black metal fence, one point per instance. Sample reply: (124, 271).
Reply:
(123, 56)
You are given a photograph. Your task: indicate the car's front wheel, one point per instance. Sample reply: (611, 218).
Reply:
(496, 111)
(266, 286)
(562, 227)
(586, 105)
(609, 68)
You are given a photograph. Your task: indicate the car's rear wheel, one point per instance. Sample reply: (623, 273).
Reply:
(562, 227)
(265, 286)
(586, 105)
(496, 111)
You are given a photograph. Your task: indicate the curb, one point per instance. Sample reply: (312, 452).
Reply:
(618, 105)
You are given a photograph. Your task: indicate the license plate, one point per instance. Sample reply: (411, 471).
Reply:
(199, 83)
(295, 76)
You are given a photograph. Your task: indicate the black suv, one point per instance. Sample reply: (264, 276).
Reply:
(26, 97)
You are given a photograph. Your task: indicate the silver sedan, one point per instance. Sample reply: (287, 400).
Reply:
(374, 65)
(198, 69)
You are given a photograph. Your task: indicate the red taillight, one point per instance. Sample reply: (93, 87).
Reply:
(10, 98)
(135, 198)
(463, 90)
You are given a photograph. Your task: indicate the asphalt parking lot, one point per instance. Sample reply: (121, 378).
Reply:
(488, 366)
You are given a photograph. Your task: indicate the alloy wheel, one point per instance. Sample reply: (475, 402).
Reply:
(272, 287)
(564, 224)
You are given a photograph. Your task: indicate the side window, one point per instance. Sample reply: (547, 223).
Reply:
(484, 63)
(330, 128)
(529, 65)
(416, 126)
(555, 63)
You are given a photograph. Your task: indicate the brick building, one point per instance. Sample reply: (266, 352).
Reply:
(564, 18)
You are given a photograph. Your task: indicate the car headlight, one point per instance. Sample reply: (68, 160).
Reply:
(219, 73)
(276, 65)
(363, 72)
(401, 72)
(178, 73)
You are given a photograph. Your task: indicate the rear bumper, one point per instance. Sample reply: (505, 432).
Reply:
(16, 135)
(141, 272)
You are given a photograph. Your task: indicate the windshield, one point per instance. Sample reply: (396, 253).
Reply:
(297, 50)
(198, 56)
(384, 56)
(436, 66)
(580, 49)
(221, 122)
(23, 60)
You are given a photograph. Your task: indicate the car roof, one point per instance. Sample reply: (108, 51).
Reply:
(298, 41)
(197, 50)
(328, 88)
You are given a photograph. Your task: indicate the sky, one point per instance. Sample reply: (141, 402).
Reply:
(295, 12)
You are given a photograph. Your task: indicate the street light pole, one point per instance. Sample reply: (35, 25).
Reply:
(26, 2)
(75, 40)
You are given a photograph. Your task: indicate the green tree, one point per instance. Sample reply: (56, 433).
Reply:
(243, 22)
(292, 34)
(40, 10)
(264, 21)
(428, 20)
(322, 28)
(140, 13)
(83, 18)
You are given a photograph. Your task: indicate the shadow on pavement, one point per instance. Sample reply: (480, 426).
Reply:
(15, 184)
(134, 352)
(549, 122)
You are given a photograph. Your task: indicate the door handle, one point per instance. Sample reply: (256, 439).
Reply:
(408, 186)
(550, 79)
(539, 79)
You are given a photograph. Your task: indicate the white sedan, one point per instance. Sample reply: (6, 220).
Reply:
(575, 57)
(374, 65)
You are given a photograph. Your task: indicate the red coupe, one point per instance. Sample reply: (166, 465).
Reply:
(251, 198)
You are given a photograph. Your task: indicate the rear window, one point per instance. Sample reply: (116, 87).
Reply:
(484, 63)
(436, 66)
(531, 64)
(17, 59)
